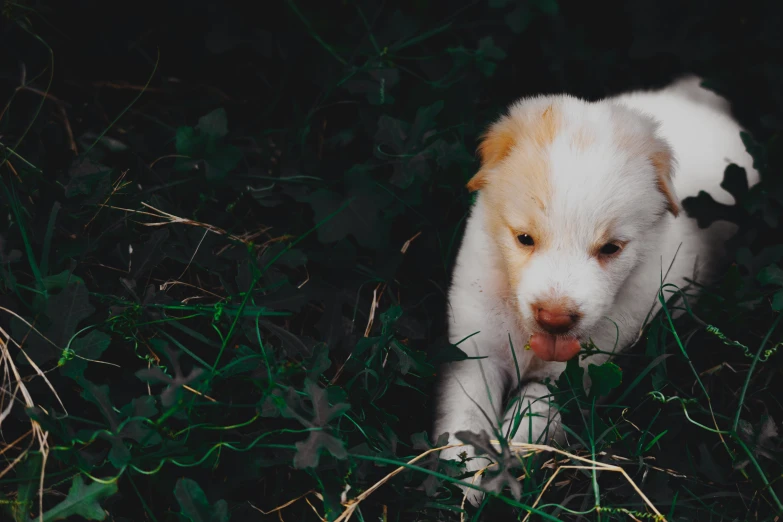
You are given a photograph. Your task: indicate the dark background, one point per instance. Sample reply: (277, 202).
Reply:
(328, 101)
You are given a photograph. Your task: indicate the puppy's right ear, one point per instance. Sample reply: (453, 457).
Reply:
(495, 145)
(664, 163)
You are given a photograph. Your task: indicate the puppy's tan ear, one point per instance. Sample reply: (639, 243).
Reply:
(664, 163)
(495, 145)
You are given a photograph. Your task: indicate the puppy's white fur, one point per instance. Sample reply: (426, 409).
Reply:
(596, 177)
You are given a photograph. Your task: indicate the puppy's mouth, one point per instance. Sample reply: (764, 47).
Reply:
(550, 347)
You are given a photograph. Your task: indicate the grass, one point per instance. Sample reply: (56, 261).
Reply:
(226, 245)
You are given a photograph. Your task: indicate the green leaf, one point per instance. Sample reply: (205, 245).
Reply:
(487, 54)
(424, 121)
(549, 7)
(656, 439)
(205, 143)
(409, 147)
(421, 442)
(147, 256)
(604, 378)
(83, 501)
(85, 176)
(155, 375)
(757, 151)
(90, 346)
(391, 316)
(572, 378)
(375, 84)
(61, 280)
(137, 429)
(293, 258)
(706, 210)
(194, 505)
(64, 311)
(221, 161)
(777, 301)
(499, 476)
(405, 360)
(309, 450)
(392, 132)
(519, 19)
(187, 142)
(735, 181)
(771, 275)
(119, 455)
(488, 49)
(318, 363)
(28, 473)
(709, 467)
(214, 124)
(360, 219)
(448, 352)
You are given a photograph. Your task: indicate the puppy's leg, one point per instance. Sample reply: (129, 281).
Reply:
(535, 419)
(470, 399)
(532, 416)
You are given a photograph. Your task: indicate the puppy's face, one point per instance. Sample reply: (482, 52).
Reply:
(572, 193)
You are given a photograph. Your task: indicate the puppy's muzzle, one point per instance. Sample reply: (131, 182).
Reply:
(555, 319)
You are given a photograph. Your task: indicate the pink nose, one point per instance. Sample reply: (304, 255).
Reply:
(555, 319)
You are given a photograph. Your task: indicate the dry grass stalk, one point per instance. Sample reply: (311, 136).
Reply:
(34, 329)
(193, 390)
(517, 447)
(376, 296)
(116, 187)
(168, 284)
(282, 506)
(247, 238)
(61, 109)
(13, 385)
(172, 219)
(376, 299)
(353, 503)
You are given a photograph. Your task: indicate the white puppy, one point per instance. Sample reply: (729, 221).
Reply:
(577, 221)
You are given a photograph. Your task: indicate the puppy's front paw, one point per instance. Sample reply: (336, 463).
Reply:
(474, 496)
(472, 465)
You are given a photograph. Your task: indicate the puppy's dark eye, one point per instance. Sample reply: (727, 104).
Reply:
(609, 249)
(525, 239)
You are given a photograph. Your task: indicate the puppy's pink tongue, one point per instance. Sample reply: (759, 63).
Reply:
(551, 348)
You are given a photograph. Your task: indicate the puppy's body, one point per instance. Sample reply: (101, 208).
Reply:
(562, 179)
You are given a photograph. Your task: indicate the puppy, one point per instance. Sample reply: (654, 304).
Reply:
(576, 224)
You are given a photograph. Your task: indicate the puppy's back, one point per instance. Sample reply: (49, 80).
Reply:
(698, 125)
(690, 87)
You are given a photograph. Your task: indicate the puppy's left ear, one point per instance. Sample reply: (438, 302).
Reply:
(664, 164)
(495, 145)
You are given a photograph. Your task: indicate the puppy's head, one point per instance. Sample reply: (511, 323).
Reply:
(572, 192)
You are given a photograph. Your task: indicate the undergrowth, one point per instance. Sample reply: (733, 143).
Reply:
(227, 238)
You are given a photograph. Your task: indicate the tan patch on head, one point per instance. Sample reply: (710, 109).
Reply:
(508, 133)
(514, 179)
(504, 223)
(514, 263)
(515, 205)
(544, 133)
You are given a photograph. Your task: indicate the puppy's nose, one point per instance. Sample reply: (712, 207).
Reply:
(555, 319)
